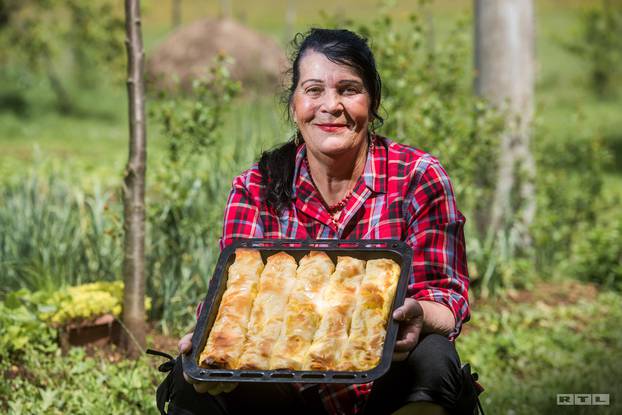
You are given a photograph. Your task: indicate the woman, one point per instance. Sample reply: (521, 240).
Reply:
(337, 179)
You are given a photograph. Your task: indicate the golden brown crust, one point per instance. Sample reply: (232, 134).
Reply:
(310, 317)
(338, 304)
(369, 320)
(225, 340)
(302, 315)
(275, 285)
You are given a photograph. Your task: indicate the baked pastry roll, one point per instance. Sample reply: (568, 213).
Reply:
(369, 321)
(226, 338)
(303, 314)
(275, 284)
(339, 300)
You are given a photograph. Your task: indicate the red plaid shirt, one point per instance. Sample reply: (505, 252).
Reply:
(403, 194)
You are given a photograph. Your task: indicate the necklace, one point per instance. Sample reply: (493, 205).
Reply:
(341, 204)
(333, 210)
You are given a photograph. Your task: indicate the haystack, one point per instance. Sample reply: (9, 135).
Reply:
(258, 61)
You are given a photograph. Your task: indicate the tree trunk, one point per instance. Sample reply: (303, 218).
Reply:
(226, 9)
(175, 13)
(505, 75)
(133, 339)
(63, 101)
(290, 19)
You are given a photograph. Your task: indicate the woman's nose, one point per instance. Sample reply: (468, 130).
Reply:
(332, 102)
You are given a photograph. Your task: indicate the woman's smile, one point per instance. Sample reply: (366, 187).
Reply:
(332, 127)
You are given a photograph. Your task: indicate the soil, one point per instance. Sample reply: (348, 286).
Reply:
(166, 344)
(549, 294)
(258, 61)
(155, 341)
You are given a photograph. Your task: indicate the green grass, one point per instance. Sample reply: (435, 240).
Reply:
(94, 141)
(565, 340)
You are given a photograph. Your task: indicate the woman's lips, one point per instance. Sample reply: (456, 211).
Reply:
(331, 128)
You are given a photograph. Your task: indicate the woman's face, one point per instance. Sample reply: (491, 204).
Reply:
(330, 106)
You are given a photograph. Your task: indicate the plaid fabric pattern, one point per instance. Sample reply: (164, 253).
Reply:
(404, 193)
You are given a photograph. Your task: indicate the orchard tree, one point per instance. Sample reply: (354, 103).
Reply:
(505, 74)
(226, 8)
(175, 14)
(290, 19)
(133, 339)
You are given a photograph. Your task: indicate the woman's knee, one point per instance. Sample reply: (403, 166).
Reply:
(434, 354)
(435, 366)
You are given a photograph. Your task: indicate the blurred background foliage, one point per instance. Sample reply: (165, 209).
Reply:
(63, 134)
(59, 40)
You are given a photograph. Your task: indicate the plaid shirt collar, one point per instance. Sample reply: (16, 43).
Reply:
(373, 180)
(374, 176)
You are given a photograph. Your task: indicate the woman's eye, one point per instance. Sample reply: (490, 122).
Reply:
(350, 90)
(313, 91)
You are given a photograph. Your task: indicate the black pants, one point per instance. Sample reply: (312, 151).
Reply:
(431, 373)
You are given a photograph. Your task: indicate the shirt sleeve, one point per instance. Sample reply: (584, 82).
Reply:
(435, 232)
(241, 218)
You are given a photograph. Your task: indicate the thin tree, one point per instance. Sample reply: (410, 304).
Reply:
(175, 13)
(226, 9)
(505, 73)
(290, 19)
(133, 338)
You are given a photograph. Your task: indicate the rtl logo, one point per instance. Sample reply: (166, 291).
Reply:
(582, 399)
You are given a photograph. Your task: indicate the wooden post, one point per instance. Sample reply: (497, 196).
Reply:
(133, 338)
(290, 19)
(226, 9)
(175, 13)
(505, 75)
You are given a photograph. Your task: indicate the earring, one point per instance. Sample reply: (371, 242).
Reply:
(297, 139)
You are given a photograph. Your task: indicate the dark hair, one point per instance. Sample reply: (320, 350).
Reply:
(342, 47)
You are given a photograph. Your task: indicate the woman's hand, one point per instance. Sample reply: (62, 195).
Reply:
(213, 388)
(410, 317)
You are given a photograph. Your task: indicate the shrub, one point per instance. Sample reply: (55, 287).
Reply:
(22, 329)
(569, 182)
(29, 318)
(181, 216)
(599, 43)
(597, 252)
(46, 38)
(80, 303)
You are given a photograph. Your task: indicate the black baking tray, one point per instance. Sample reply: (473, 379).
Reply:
(397, 250)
